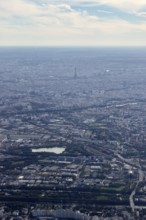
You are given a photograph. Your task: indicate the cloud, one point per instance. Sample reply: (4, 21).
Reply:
(48, 22)
(104, 11)
(141, 14)
(127, 5)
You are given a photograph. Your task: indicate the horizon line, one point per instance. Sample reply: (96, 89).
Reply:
(74, 46)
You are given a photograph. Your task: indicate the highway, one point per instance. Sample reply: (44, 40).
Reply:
(140, 179)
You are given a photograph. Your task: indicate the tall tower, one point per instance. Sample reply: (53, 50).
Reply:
(75, 73)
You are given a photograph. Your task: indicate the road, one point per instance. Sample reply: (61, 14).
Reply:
(140, 179)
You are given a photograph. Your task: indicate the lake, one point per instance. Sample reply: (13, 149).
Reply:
(56, 150)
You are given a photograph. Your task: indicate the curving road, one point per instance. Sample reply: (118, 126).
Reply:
(140, 179)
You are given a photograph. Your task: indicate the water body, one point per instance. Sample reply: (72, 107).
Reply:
(56, 150)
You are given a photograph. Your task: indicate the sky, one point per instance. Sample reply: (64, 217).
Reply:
(73, 22)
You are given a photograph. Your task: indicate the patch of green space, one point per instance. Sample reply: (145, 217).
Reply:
(115, 189)
(102, 197)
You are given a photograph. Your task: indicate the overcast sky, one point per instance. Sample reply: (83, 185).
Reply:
(73, 22)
